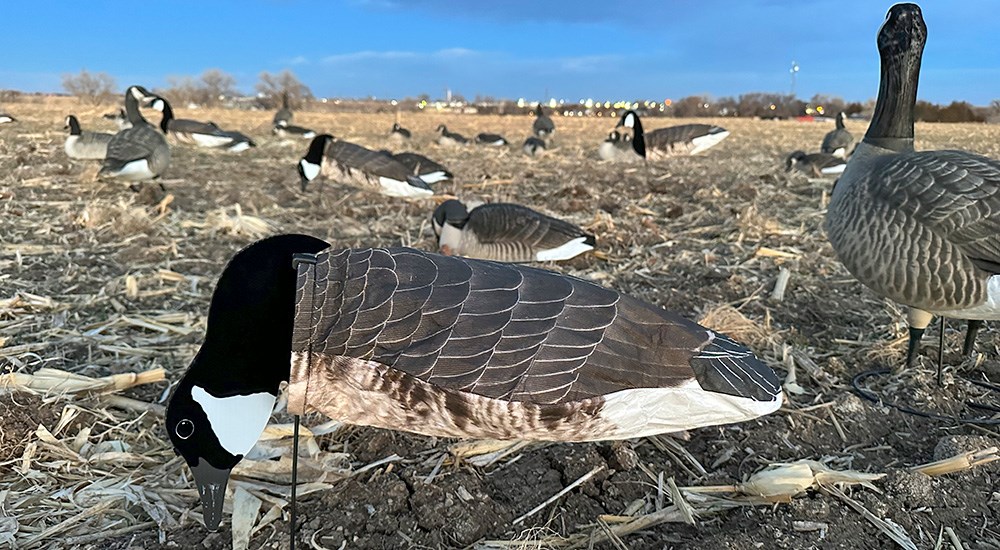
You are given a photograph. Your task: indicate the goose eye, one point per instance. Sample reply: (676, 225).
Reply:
(627, 138)
(184, 429)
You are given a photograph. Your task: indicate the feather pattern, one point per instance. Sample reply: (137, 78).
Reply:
(352, 163)
(679, 140)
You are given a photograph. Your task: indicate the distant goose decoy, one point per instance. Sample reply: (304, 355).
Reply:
(202, 134)
(353, 164)
(493, 140)
(408, 340)
(424, 168)
(543, 127)
(6, 119)
(120, 119)
(399, 133)
(533, 146)
(82, 145)
(240, 141)
(284, 115)
(838, 142)
(815, 164)
(920, 228)
(628, 140)
(138, 153)
(507, 233)
(448, 139)
(288, 131)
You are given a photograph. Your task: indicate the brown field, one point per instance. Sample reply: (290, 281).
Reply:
(98, 280)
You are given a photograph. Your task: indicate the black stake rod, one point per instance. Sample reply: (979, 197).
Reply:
(940, 352)
(295, 469)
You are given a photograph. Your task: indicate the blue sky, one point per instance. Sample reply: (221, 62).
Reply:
(571, 49)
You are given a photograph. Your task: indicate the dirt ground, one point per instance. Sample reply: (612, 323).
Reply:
(82, 260)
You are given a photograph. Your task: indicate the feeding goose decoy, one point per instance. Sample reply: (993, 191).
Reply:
(423, 167)
(816, 165)
(449, 139)
(284, 115)
(543, 127)
(492, 140)
(921, 228)
(288, 131)
(82, 145)
(507, 233)
(140, 152)
(838, 142)
(409, 340)
(399, 133)
(533, 146)
(628, 140)
(349, 163)
(202, 134)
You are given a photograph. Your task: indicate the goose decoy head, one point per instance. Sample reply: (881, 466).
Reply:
(73, 125)
(311, 165)
(904, 31)
(395, 126)
(441, 129)
(794, 158)
(222, 404)
(451, 212)
(631, 126)
(139, 93)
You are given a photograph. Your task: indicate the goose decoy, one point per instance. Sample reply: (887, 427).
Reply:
(424, 168)
(82, 145)
(193, 132)
(507, 233)
(921, 228)
(533, 146)
(353, 164)
(6, 119)
(399, 133)
(492, 140)
(543, 127)
(449, 139)
(284, 115)
(628, 140)
(138, 153)
(838, 142)
(816, 165)
(443, 346)
(287, 131)
(119, 118)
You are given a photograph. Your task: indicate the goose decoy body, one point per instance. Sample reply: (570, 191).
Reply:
(284, 115)
(444, 346)
(533, 146)
(288, 131)
(493, 140)
(7, 119)
(349, 163)
(202, 134)
(423, 167)
(449, 139)
(816, 165)
(838, 142)
(921, 228)
(399, 133)
(628, 140)
(82, 145)
(240, 141)
(507, 233)
(140, 152)
(543, 127)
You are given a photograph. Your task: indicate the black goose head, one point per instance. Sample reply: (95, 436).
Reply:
(396, 127)
(73, 125)
(901, 42)
(793, 159)
(841, 120)
(133, 95)
(540, 112)
(903, 33)
(311, 165)
(442, 129)
(452, 212)
(158, 103)
(631, 126)
(221, 405)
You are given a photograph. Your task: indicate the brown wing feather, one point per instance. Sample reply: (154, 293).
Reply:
(503, 222)
(360, 158)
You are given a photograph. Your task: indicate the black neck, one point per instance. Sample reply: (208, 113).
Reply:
(74, 126)
(132, 109)
(168, 115)
(892, 122)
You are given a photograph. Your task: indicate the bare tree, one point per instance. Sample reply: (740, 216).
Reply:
(89, 87)
(181, 90)
(216, 85)
(272, 86)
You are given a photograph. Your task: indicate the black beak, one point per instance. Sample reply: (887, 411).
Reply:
(211, 482)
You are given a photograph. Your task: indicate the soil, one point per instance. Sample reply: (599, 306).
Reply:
(695, 235)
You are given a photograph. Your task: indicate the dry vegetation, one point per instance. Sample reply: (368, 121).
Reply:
(97, 281)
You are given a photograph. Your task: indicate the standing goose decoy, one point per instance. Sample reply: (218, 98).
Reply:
(284, 115)
(287, 131)
(533, 146)
(398, 133)
(423, 167)
(838, 142)
(449, 139)
(920, 228)
(202, 134)
(82, 145)
(443, 346)
(492, 140)
(138, 153)
(543, 127)
(816, 165)
(353, 164)
(507, 233)
(628, 139)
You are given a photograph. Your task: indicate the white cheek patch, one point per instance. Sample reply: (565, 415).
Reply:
(236, 421)
(629, 121)
(309, 169)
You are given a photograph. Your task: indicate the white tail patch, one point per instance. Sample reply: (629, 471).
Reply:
(137, 170)
(434, 177)
(838, 169)
(569, 250)
(4, 119)
(236, 421)
(648, 411)
(396, 188)
(209, 140)
(240, 146)
(309, 169)
(703, 143)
